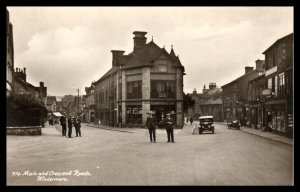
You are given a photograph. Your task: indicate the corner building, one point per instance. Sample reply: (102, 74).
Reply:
(147, 79)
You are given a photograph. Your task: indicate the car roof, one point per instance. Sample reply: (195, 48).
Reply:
(205, 117)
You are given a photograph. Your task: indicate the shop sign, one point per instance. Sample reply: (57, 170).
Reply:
(271, 71)
(162, 103)
(266, 92)
(162, 95)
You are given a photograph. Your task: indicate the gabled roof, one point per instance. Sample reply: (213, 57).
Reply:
(49, 100)
(279, 40)
(144, 56)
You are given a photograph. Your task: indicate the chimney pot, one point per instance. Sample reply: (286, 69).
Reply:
(139, 40)
(248, 69)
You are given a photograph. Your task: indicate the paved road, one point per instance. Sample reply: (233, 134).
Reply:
(228, 157)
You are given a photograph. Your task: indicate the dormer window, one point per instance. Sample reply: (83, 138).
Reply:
(162, 65)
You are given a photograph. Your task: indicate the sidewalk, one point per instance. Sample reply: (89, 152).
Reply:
(268, 135)
(130, 130)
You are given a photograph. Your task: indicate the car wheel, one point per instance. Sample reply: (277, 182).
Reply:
(213, 131)
(200, 131)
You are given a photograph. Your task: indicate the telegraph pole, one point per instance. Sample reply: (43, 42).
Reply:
(78, 101)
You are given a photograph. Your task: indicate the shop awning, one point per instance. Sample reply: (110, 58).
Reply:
(57, 114)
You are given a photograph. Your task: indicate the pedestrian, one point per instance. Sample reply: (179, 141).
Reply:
(70, 124)
(77, 126)
(63, 123)
(151, 125)
(169, 123)
(191, 120)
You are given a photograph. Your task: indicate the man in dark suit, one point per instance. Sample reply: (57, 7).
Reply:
(70, 124)
(63, 123)
(77, 126)
(169, 122)
(151, 124)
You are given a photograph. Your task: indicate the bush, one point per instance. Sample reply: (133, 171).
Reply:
(25, 110)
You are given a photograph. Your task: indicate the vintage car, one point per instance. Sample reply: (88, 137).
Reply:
(206, 123)
(234, 124)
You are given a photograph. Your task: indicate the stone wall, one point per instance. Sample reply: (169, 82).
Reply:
(30, 130)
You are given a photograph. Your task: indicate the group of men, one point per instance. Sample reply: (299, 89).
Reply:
(166, 123)
(76, 122)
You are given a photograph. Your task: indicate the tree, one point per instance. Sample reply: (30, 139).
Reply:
(188, 102)
(24, 110)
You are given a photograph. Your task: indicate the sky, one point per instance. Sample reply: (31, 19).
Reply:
(69, 47)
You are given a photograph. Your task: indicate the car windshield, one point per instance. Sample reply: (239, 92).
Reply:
(206, 120)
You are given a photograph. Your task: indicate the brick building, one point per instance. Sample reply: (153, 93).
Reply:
(235, 94)
(147, 79)
(9, 56)
(279, 83)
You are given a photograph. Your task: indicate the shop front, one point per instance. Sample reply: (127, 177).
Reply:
(277, 116)
(161, 108)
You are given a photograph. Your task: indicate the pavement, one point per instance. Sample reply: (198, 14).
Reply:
(186, 130)
(265, 134)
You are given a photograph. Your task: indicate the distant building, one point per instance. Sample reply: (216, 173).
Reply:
(89, 108)
(235, 94)
(208, 102)
(279, 83)
(147, 79)
(50, 102)
(9, 56)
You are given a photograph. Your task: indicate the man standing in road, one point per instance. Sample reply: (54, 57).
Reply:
(63, 123)
(169, 122)
(70, 124)
(151, 125)
(77, 126)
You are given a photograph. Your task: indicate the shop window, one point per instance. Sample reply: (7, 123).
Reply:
(134, 114)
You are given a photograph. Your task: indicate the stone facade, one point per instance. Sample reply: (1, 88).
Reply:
(147, 79)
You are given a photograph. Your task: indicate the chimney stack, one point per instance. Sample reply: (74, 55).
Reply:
(115, 55)
(195, 91)
(212, 86)
(248, 69)
(41, 84)
(260, 64)
(139, 40)
(24, 70)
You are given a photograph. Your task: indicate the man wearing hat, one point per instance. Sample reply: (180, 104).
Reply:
(70, 124)
(151, 125)
(63, 122)
(169, 122)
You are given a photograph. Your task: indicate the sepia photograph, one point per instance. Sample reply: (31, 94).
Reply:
(150, 96)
